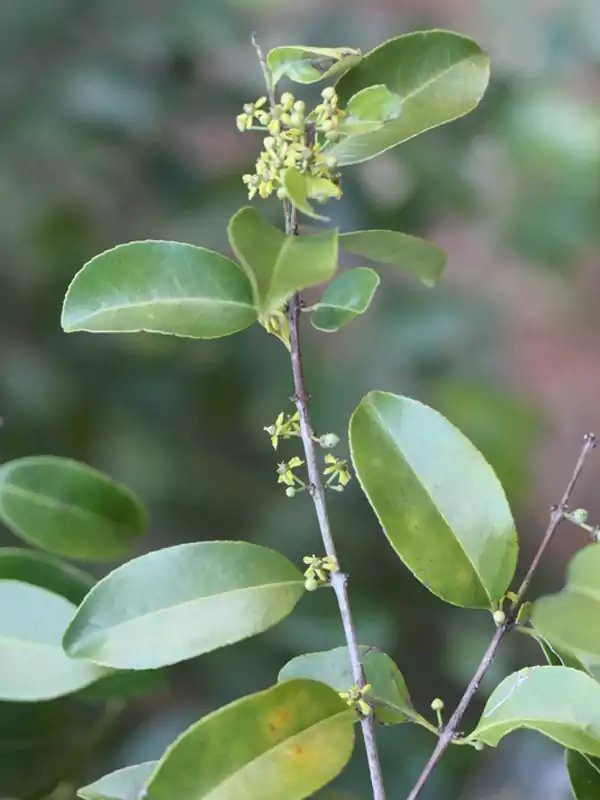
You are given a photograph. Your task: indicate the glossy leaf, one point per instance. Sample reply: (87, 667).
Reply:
(347, 296)
(438, 500)
(124, 784)
(183, 601)
(69, 509)
(570, 620)
(40, 569)
(301, 188)
(310, 64)
(439, 75)
(286, 742)
(33, 665)
(279, 265)
(584, 775)
(369, 109)
(426, 261)
(559, 702)
(558, 658)
(333, 667)
(159, 287)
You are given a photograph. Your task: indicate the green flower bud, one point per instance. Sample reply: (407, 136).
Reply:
(290, 492)
(328, 93)
(579, 516)
(437, 704)
(478, 746)
(300, 106)
(331, 162)
(287, 100)
(297, 120)
(332, 136)
(499, 617)
(310, 584)
(327, 125)
(329, 440)
(282, 193)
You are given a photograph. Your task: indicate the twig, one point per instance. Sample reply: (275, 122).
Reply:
(451, 728)
(265, 70)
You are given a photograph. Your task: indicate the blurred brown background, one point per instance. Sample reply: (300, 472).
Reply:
(118, 124)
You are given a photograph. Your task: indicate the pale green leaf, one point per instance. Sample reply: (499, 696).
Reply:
(33, 665)
(438, 500)
(439, 76)
(124, 784)
(286, 742)
(559, 702)
(277, 265)
(69, 509)
(183, 601)
(423, 259)
(40, 569)
(369, 109)
(310, 64)
(301, 188)
(584, 775)
(159, 287)
(389, 693)
(346, 296)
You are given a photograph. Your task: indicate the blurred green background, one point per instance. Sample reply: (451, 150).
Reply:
(118, 124)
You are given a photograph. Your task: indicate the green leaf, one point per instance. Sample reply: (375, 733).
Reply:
(159, 287)
(279, 265)
(310, 64)
(33, 665)
(426, 261)
(570, 620)
(39, 569)
(301, 188)
(558, 658)
(183, 601)
(286, 742)
(124, 784)
(439, 75)
(347, 296)
(584, 775)
(333, 667)
(559, 702)
(126, 685)
(69, 508)
(438, 500)
(369, 109)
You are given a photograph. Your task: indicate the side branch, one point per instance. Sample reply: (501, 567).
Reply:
(450, 730)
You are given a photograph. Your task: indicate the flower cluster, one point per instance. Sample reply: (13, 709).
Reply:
(319, 571)
(296, 140)
(355, 698)
(338, 472)
(283, 428)
(285, 475)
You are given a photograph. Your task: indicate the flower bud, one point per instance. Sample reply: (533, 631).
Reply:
(499, 617)
(437, 704)
(328, 93)
(579, 516)
(310, 584)
(329, 440)
(290, 492)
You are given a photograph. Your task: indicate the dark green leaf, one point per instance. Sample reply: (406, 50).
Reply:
(345, 297)
(369, 109)
(301, 188)
(183, 601)
(280, 265)
(69, 508)
(126, 685)
(333, 667)
(423, 259)
(438, 500)
(33, 665)
(439, 75)
(559, 702)
(124, 784)
(584, 775)
(30, 566)
(159, 287)
(286, 742)
(310, 64)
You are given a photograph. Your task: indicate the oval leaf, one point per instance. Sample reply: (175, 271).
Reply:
(559, 702)
(69, 508)
(39, 569)
(183, 601)
(310, 64)
(290, 741)
(570, 620)
(439, 75)
(33, 665)
(277, 265)
(347, 296)
(301, 188)
(438, 500)
(333, 667)
(584, 775)
(369, 109)
(423, 259)
(159, 287)
(124, 784)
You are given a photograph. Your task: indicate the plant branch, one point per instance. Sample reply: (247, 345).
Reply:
(450, 730)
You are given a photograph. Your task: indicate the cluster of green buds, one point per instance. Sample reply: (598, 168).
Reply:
(355, 698)
(289, 144)
(338, 473)
(284, 427)
(318, 573)
(285, 475)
